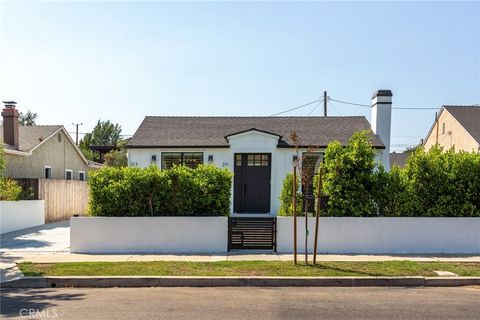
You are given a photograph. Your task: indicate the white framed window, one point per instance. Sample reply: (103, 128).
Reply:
(48, 172)
(68, 174)
(81, 175)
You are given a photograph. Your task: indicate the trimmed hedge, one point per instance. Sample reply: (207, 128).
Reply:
(180, 191)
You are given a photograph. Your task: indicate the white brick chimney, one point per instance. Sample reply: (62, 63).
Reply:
(381, 120)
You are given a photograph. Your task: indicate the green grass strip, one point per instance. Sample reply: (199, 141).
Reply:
(248, 268)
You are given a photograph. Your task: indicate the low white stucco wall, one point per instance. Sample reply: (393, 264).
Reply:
(18, 215)
(383, 235)
(148, 234)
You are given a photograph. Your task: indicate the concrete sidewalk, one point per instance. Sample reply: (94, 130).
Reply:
(53, 257)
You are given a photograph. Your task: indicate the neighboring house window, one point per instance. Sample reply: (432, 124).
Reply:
(81, 175)
(443, 128)
(48, 172)
(68, 174)
(188, 159)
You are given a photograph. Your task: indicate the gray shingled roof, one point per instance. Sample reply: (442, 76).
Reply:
(399, 159)
(211, 131)
(31, 136)
(469, 118)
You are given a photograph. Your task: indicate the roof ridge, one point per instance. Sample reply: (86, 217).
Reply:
(259, 117)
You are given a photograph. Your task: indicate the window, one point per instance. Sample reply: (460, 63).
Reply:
(188, 159)
(443, 128)
(68, 174)
(257, 160)
(81, 175)
(48, 172)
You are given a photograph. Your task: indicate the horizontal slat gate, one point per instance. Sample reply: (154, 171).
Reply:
(252, 233)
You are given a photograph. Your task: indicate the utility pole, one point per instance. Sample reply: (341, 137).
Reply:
(324, 103)
(436, 125)
(76, 135)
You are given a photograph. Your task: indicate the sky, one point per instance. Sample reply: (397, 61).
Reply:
(77, 62)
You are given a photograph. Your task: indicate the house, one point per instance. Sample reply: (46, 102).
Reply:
(456, 127)
(399, 158)
(40, 151)
(258, 150)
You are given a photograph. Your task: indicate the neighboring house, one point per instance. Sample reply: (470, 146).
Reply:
(40, 151)
(456, 127)
(399, 158)
(259, 150)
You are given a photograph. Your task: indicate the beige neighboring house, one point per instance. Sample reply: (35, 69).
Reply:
(40, 151)
(456, 127)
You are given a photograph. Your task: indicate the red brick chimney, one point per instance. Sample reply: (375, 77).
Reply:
(10, 124)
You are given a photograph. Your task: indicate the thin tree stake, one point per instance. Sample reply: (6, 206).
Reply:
(317, 214)
(294, 214)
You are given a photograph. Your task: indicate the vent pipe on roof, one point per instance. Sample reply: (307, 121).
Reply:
(381, 119)
(10, 124)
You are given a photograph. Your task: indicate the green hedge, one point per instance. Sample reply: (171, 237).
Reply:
(180, 191)
(434, 183)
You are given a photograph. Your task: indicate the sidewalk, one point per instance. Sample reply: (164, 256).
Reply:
(53, 257)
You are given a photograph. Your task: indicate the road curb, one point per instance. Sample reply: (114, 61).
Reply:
(108, 282)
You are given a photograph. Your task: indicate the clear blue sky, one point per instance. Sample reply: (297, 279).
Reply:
(78, 62)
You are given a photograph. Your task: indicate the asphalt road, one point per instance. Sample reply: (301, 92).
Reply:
(243, 303)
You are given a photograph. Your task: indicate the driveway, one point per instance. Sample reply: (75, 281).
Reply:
(48, 239)
(52, 237)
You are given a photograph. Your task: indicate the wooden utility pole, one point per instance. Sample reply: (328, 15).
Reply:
(324, 103)
(317, 214)
(436, 124)
(294, 213)
(76, 132)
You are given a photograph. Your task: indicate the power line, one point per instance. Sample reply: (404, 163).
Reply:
(369, 106)
(295, 108)
(313, 109)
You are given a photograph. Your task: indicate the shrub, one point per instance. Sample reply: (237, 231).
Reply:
(130, 191)
(9, 189)
(348, 177)
(443, 184)
(286, 204)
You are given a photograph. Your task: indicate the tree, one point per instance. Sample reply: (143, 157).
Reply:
(117, 158)
(105, 133)
(27, 119)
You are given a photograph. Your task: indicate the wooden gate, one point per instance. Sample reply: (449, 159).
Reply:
(252, 233)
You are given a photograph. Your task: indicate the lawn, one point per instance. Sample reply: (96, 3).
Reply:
(247, 268)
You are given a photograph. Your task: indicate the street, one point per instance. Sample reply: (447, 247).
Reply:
(242, 303)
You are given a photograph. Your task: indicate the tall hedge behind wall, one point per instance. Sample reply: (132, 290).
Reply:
(180, 191)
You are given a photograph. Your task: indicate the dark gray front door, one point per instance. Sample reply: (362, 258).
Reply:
(252, 182)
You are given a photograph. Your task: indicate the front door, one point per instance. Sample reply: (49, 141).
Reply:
(252, 182)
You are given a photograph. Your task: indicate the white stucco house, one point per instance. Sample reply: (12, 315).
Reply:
(258, 150)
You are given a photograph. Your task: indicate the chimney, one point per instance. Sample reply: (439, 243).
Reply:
(382, 120)
(10, 124)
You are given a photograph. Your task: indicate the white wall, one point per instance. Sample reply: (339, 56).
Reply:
(148, 234)
(17, 215)
(384, 235)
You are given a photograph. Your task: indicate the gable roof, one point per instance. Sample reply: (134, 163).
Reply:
(31, 136)
(211, 131)
(468, 117)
